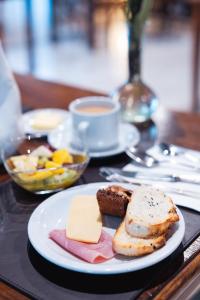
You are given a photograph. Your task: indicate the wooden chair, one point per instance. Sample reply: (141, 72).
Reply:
(93, 6)
(195, 4)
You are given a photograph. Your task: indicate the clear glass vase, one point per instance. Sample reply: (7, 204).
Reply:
(138, 101)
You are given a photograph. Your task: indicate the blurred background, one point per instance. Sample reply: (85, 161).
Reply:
(84, 43)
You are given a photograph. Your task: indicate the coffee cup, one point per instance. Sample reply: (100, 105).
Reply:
(95, 123)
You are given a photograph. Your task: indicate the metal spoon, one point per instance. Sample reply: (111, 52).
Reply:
(142, 157)
(170, 150)
(146, 160)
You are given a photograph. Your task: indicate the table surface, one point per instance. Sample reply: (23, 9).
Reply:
(174, 127)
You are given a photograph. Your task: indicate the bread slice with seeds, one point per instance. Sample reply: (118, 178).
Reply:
(125, 244)
(149, 213)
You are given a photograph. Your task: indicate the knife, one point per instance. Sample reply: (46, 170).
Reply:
(153, 176)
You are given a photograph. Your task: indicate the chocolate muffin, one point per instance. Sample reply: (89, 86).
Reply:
(113, 200)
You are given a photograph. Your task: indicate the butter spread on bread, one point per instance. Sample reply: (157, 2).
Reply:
(150, 212)
(84, 222)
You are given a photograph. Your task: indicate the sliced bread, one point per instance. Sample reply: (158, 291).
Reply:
(149, 213)
(125, 244)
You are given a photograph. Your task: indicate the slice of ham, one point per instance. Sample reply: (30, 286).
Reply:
(93, 253)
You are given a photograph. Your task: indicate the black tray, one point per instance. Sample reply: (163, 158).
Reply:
(22, 267)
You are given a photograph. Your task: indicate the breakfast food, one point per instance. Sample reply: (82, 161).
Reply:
(125, 244)
(23, 163)
(149, 213)
(41, 151)
(143, 230)
(113, 200)
(84, 221)
(93, 253)
(44, 169)
(46, 120)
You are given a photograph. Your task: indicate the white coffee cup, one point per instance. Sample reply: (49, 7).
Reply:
(95, 123)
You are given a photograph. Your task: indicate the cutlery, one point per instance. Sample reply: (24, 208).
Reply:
(146, 160)
(193, 203)
(153, 176)
(173, 150)
(170, 150)
(142, 157)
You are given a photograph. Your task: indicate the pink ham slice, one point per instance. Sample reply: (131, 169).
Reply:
(93, 253)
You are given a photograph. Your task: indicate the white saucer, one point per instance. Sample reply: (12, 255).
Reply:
(27, 119)
(128, 135)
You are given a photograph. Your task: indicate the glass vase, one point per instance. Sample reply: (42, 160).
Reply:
(138, 102)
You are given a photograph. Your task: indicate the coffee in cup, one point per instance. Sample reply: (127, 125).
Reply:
(95, 122)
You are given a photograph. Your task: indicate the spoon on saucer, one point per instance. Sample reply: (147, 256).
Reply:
(146, 160)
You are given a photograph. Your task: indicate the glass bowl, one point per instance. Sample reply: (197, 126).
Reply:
(45, 170)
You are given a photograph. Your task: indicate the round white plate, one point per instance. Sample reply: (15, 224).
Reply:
(128, 135)
(52, 214)
(28, 119)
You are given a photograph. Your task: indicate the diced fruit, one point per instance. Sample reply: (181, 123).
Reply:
(31, 182)
(62, 156)
(44, 170)
(51, 164)
(66, 178)
(23, 163)
(42, 161)
(40, 175)
(41, 151)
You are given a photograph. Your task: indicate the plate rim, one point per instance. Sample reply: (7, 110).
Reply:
(90, 268)
(106, 153)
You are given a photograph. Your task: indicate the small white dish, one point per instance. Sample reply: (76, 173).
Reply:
(128, 135)
(28, 119)
(52, 214)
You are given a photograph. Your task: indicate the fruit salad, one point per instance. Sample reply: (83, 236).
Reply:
(43, 170)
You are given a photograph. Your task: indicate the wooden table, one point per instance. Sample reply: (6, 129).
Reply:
(180, 128)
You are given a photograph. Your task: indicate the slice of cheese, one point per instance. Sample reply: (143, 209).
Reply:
(84, 222)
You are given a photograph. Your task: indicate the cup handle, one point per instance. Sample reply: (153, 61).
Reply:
(82, 133)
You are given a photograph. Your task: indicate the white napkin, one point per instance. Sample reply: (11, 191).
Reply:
(10, 104)
(172, 166)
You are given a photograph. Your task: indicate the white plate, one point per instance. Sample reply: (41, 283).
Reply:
(52, 214)
(128, 135)
(28, 118)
